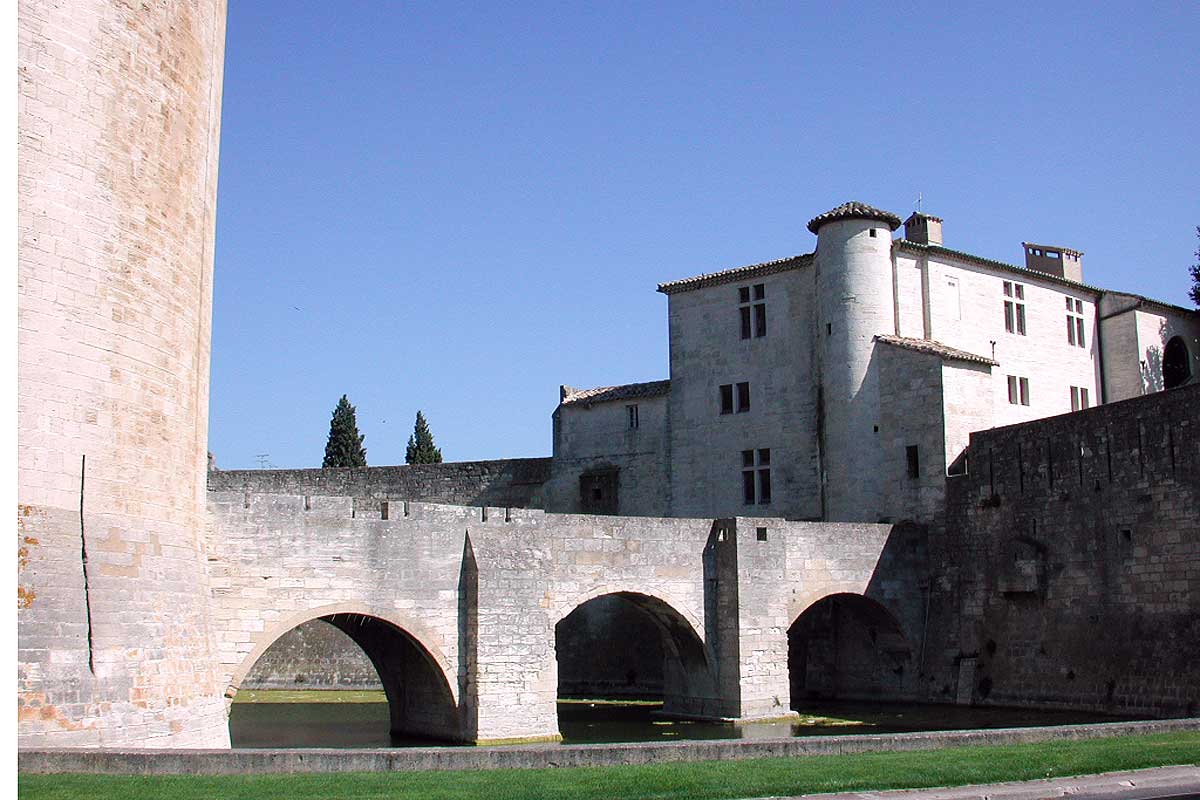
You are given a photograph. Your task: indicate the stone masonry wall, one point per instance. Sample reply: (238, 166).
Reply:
(514, 482)
(481, 590)
(1068, 573)
(119, 108)
(313, 655)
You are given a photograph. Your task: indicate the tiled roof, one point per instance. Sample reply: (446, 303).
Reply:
(905, 244)
(854, 210)
(936, 349)
(569, 395)
(736, 274)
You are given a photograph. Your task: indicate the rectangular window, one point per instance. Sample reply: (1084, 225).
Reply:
(1018, 390)
(756, 477)
(748, 487)
(1083, 399)
(758, 310)
(914, 463)
(1074, 398)
(726, 398)
(633, 415)
(1075, 322)
(743, 397)
(1014, 309)
(1079, 398)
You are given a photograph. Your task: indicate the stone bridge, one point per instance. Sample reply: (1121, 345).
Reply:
(457, 607)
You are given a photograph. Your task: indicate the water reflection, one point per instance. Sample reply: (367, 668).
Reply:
(365, 724)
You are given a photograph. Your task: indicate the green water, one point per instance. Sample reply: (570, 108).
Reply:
(365, 724)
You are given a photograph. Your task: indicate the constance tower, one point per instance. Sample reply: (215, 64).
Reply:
(118, 124)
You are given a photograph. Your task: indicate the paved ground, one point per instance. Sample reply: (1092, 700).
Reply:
(1177, 783)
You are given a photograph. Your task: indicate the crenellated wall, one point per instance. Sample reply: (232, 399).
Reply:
(1068, 572)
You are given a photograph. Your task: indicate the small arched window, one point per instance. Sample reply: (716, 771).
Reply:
(1176, 363)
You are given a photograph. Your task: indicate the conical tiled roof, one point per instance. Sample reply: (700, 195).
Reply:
(854, 210)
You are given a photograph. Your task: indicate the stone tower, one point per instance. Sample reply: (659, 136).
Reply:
(854, 304)
(118, 126)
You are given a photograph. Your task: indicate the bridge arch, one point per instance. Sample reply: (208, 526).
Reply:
(846, 645)
(415, 673)
(684, 677)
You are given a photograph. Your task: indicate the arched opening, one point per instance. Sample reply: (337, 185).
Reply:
(846, 646)
(1176, 363)
(626, 646)
(347, 651)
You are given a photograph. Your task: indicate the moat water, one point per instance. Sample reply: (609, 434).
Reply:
(365, 724)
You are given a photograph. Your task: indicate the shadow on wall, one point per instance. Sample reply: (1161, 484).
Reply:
(870, 645)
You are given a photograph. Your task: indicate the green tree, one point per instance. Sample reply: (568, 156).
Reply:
(420, 445)
(344, 448)
(1195, 293)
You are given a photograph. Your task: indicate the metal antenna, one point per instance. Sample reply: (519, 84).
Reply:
(262, 459)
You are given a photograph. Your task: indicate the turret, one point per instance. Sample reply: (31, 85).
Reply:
(855, 303)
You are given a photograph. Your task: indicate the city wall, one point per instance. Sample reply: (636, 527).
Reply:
(1068, 572)
(513, 482)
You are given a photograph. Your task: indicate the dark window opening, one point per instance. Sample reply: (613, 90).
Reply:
(760, 534)
(914, 463)
(743, 397)
(748, 487)
(744, 294)
(1176, 363)
(633, 415)
(760, 291)
(872, 233)
(828, 328)
(726, 398)
(745, 322)
(760, 320)
(756, 476)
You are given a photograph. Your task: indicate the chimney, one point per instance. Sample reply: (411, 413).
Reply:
(1062, 262)
(923, 229)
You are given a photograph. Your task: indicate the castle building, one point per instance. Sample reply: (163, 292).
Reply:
(843, 384)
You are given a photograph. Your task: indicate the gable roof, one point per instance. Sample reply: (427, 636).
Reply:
(569, 395)
(936, 349)
(736, 274)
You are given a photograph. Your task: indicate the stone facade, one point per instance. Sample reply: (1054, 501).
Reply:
(1068, 572)
(118, 126)
(814, 345)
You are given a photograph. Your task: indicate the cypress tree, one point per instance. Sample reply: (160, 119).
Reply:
(420, 445)
(344, 448)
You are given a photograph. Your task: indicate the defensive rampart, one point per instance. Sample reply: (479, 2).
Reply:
(1068, 572)
(512, 482)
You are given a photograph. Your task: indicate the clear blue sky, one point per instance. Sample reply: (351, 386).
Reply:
(459, 207)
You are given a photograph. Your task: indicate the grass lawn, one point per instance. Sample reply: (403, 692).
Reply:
(712, 779)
